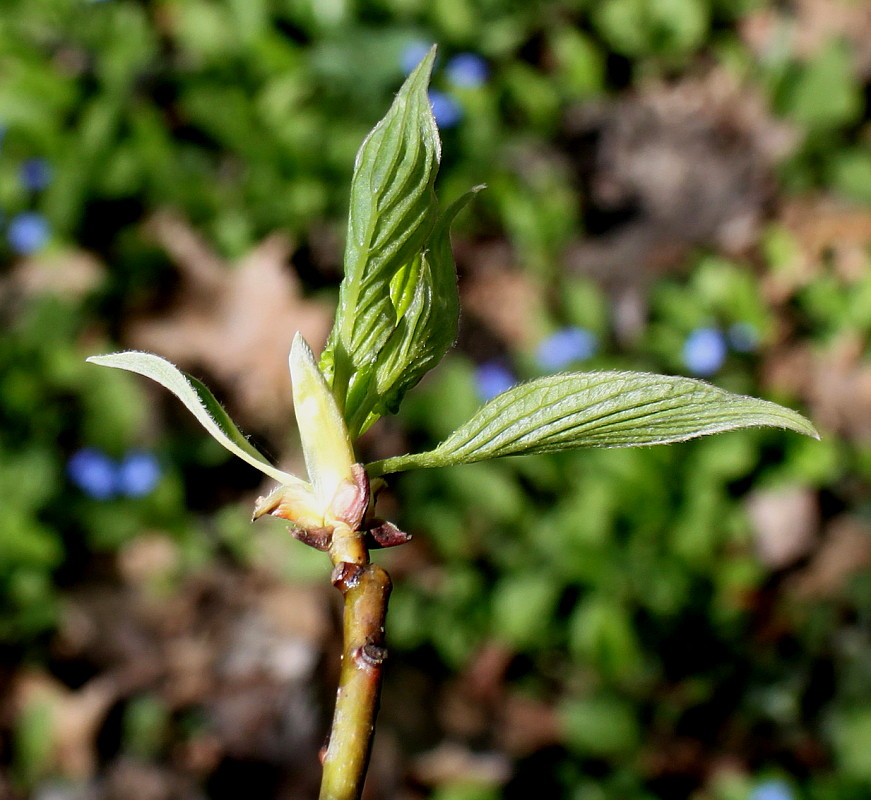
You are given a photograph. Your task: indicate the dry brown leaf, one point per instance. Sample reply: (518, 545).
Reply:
(785, 523)
(72, 273)
(845, 550)
(234, 321)
(241, 646)
(839, 391)
(805, 27)
(74, 717)
(674, 166)
(829, 235)
(451, 762)
(834, 381)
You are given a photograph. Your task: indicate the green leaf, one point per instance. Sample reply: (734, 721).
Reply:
(392, 214)
(200, 402)
(428, 309)
(597, 409)
(825, 92)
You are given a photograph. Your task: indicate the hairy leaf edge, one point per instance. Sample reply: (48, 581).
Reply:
(197, 398)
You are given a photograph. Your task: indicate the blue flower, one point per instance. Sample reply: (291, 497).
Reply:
(445, 109)
(772, 790)
(93, 472)
(412, 54)
(467, 71)
(565, 346)
(704, 351)
(493, 378)
(28, 232)
(35, 174)
(138, 474)
(103, 478)
(743, 337)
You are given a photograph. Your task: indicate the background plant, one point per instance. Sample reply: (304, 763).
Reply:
(795, 697)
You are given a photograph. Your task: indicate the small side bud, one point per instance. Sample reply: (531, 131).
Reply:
(346, 575)
(386, 534)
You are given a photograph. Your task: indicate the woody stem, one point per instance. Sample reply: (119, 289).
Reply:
(365, 588)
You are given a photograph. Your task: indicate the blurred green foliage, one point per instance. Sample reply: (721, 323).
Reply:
(625, 583)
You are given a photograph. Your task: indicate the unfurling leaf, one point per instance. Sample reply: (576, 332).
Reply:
(200, 402)
(597, 409)
(427, 306)
(392, 215)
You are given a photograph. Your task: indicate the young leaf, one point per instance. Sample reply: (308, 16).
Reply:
(200, 402)
(393, 210)
(326, 447)
(597, 409)
(428, 308)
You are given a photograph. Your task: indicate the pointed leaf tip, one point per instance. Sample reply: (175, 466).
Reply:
(393, 211)
(326, 444)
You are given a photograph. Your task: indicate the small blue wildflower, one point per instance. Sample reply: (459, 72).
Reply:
(743, 337)
(467, 71)
(772, 790)
(93, 472)
(565, 346)
(493, 378)
(704, 351)
(35, 174)
(138, 474)
(28, 232)
(445, 109)
(412, 54)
